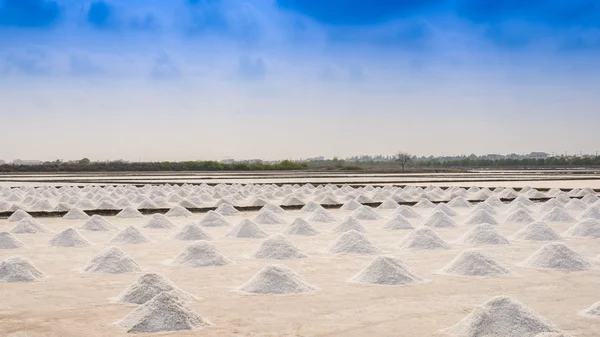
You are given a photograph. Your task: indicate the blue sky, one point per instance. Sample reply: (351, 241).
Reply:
(204, 79)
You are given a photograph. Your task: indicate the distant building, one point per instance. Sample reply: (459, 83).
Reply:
(537, 155)
(26, 162)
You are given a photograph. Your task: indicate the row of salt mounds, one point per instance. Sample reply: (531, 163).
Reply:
(353, 242)
(112, 261)
(149, 285)
(165, 312)
(76, 214)
(192, 232)
(472, 262)
(130, 235)
(276, 279)
(70, 237)
(397, 222)
(178, 211)
(536, 231)
(480, 217)
(349, 223)
(556, 255)
(98, 223)
(9, 241)
(439, 219)
(586, 228)
(268, 217)
(366, 213)
(278, 247)
(213, 219)
(129, 213)
(321, 215)
(18, 269)
(519, 216)
(503, 316)
(227, 210)
(423, 238)
(557, 214)
(29, 225)
(386, 270)
(247, 229)
(200, 254)
(301, 227)
(159, 221)
(483, 234)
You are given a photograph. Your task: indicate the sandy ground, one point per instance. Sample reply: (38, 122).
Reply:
(69, 303)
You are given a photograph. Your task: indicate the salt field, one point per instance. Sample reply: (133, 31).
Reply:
(298, 260)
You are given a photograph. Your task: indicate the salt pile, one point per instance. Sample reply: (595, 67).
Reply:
(321, 215)
(556, 255)
(267, 217)
(112, 261)
(201, 254)
(130, 235)
(349, 223)
(150, 285)
(9, 241)
(423, 238)
(227, 209)
(165, 312)
(519, 206)
(247, 229)
(575, 205)
(481, 217)
(397, 222)
(273, 208)
(519, 216)
(592, 212)
(98, 223)
(276, 279)
(388, 203)
(70, 237)
(192, 232)
(586, 228)
(365, 213)
(178, 211)
(301, 227)
(29, 225)
(439, 219)
(557, 214)
(159, 221)
(493, 201)
(353, 242)
(483, 234)
(129, 213)
(406, 212)
(18, 215)
(482, 206)
(75, 214)
(278, 247)
(213, 219)
(503, 316)
(593, 310)
(536, 231)
(475, 263)
(424, 203)
(386, 270)
(459, 202)
(18, 269)
(441, 207)
(311, 206)
(350, 205)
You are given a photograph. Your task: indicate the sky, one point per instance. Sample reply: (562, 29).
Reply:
(287, 79)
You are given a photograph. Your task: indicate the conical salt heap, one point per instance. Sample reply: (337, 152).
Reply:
(406, 212)
(424, 203)
(29, 225)
(149, 285)
(459, 202)
(423, 238)
(397, 222)
(301, 227)
(129, 213)
(70, 237)
(98, 223)
(130, 235)
(18, 215)
(483, 234)
(593, 310)
(321, 215)
(192, 232)
(178, 211)
(575, 205)
(519, 206)
(350, 205)
(472, 262)
(353, 242)
(273, 208)
(112, 261)
(201, 254)
(536, 231)
(386, 270)
(481, 217)
(493, 201)
(226, 210)
(267, 217)
(587, 228)
(349, 223)
(213, 219)
(592, 212)
(18, 269)
(75, 214)
(503, 316)
(556, 255)
(247, 229)
(519, 216)
(165, 312)
(388, 203)
(311, 206)
(439, 219)
(158, 220)
(278, 247)
(557, 214)
(441, 207)
(366, 213)
(276, 279)
(9, 241)
(483, 206)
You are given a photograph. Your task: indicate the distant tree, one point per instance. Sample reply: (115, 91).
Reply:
(403, 158)
(84, 161)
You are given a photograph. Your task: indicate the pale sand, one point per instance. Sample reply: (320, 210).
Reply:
(68, 303)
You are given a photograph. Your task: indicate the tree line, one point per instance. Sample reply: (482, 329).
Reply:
(592, 161)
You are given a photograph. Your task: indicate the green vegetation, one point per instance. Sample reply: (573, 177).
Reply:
(592, 161)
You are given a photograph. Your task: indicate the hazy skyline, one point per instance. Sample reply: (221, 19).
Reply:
(207, 79)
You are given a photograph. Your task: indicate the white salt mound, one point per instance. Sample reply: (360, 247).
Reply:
(178, 211)
(537, 231)
(9, 241)
(192, 232)
(481, 217)
(75, 214)
(386, 270)
(519, 216)
(247, 229)
(29, 225)
(483, 234)
(587, 228)
(311, 206)
(70, 237)
(459, 202)
(353, 242)
(366, 213)
(98, 223)
(397, 222)
(276, 279)
(592, 212)
(129, 213)
(130, 235)
(503, 316)
(18, 215)
(423, 238)
(150, 285)
(201, 254)
(349, 223)
(321, 215)
(227, 209)
(593, 310)
(439, 219)
(273, 208)
(441, 207)
(350, 205)
(112, 261)
(388, 203)
(213, 219)
(163, 313)
(158, 220)
(556, 255)
(18, 269)
(267, 217)
(475, 263)
(301, 227)
(278, 247)
(484, 207)
(406, 212)
(424, 203)
(557, 214)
